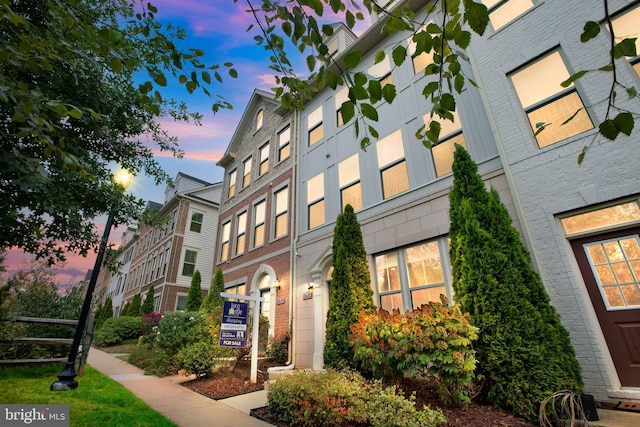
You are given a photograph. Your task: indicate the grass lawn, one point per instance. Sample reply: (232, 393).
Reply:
(98, 401)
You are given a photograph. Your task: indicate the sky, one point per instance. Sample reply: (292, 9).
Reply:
(219, 28)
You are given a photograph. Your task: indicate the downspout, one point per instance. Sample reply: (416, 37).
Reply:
(294, 243)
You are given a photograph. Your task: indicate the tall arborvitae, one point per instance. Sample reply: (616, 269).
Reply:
(194, 297)
(523, 350)
(213, 299)
(147, 305)
(350, 290)
(134, 308)
(104, 312)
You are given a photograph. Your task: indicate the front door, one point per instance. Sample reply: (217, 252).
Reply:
(610, 266)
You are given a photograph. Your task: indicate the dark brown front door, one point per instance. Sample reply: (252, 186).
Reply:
(610, 265)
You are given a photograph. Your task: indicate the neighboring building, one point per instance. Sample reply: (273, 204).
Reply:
(167, 255)
(255, 222)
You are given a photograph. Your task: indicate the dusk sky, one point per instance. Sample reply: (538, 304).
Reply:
(219, 29)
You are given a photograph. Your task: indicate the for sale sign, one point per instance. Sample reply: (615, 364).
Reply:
(233, 329)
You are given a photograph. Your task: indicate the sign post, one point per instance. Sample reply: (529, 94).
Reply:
(233, 322)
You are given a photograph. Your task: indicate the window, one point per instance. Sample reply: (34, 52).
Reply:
(315, 200)
(501, 12)
(341, 97)
(626, 26)
(238, 289)
(232, 182)
(423, 59)
(264, 159)
(174, 214)
(181, 302)
(349, 181)
(246, 168)
(189, 265)
(450, 135)
(156, 303)
(196, 222)
(259, 211)
(282, 207)
(548, 104)
(166, 261)
(259, 119)
(241, 232)
(602, 219)
(314, 125)
(284, 148)
(382, 71)
(410, 277)
(224, 241)
(392, 164)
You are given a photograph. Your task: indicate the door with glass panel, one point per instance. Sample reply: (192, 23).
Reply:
(610, 265)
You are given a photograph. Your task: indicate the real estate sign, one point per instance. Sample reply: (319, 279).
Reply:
(233, 330)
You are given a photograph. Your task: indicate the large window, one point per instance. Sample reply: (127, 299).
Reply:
(315, 200)
(264, 159)
(450, 135)
(501, 12)
(547, 104)
(284, 146)
(232, 184)
(241, 232)
(246, 169)
(259, 211)
(349, 181)
(281, 209)
(341, 97)
(410, 277)
(196, 222)
(224, 241)
(189, 265)
(392, 164)
(314, 126)
(626, 26)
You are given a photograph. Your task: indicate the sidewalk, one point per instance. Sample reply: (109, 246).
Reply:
(181, 405)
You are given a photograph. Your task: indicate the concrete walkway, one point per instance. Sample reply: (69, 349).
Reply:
(181, 405)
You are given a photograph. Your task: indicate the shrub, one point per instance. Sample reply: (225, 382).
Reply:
(194, 297)
(432, 342)
(179, 329)
(343, 398)
(117, 329)
(147, 304)
(197, 358)
(134, 306)
(213, 298)
(154, 360)
(278, 350)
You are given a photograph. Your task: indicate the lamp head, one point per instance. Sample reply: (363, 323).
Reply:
(123, 178)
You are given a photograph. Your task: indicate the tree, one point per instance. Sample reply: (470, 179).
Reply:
(70, 108)
(147, 305)
(194, 297)
(351, 291)
(523, 350)
(213, 298)
(125, 309)
(104, 312)
(134, 306)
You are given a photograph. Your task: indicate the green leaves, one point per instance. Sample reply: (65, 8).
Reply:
(622, 123)
(590, 31)
(352, 59)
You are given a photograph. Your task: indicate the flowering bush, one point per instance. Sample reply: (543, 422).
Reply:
(177, 330)
(278, 349)
(150, 323)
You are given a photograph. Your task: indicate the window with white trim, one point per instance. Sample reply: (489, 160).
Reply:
(232, 182)
(501, 12)
(349, 182)
(284, 146)
(315, 201)
(264, 159)
(314, 126)
(340, 98)
(241, 231)
(423, 59)
(224, 241)
(246, 170)
(626, 26)
(189, 265)
(450, 135)
(259, 215)
(281, 209)
(382, 71)
(181, 302)
(196, 222)
(392, 165)
(548, 105)
(259, 119)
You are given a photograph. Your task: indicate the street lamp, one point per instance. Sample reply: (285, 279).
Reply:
(66, 378)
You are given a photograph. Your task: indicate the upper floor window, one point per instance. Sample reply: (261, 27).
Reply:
(259, 213)
(423, 59)
(392, 165)
(224, 241)
(232, 182)
(450, 134)
(382, 71)
(547, 104)
(281, 209)
(196, 222)
(189, 266)
(349, 181)
(341, 97)
(264, 159)
(410, 277)
(315, 201)
(259, 119)
(284, 146)
(501, 12)
(626, 26)
(314, 126)
(241, 231)
(246, 169)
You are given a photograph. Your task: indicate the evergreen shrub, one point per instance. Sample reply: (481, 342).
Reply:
(117, 329)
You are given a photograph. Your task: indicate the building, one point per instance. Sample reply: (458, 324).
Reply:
(255, 222)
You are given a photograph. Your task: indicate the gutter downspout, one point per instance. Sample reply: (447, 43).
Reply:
(294, 243)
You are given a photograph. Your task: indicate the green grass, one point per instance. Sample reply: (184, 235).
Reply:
(98, 400)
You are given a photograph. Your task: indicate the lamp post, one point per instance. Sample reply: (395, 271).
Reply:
(66, 378)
